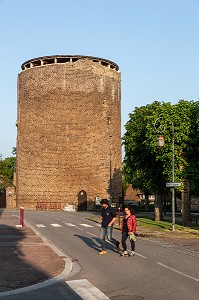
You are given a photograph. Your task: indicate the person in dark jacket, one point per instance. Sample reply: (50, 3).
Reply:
(108, 215)
(128, 229)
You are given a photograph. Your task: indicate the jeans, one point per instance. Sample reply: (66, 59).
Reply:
(124, 238)
(107, 232)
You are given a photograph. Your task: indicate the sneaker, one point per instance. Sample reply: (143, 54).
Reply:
(124, 254)
(102, 252)
(118, 247)
(132, 253)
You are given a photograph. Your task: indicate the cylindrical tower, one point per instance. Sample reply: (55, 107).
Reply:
(69, 131)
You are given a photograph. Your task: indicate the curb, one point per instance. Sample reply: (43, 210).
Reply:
(71, 268)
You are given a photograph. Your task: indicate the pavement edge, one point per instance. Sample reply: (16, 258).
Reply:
(70, 269)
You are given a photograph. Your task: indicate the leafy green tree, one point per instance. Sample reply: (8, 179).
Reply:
(147, 166)
(191, 152)
(6, 171)
(124, 185)
(140, 164)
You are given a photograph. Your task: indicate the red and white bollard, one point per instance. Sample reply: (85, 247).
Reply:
(22, 216)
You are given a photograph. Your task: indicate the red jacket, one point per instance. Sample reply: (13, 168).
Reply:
(131, 224)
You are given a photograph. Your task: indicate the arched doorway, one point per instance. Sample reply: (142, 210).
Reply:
(82, 201)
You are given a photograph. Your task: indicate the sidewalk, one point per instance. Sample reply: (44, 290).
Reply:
(25, 259)
(31, 269)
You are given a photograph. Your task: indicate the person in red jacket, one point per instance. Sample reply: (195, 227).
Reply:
(128, 229)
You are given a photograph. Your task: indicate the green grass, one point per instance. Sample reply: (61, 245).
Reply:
(146, 222)
(165, 225)
(149, 225)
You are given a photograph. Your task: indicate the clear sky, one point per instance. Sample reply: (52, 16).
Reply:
(154, 42)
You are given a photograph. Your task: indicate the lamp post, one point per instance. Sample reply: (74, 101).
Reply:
(110, 159)
(110, 173)
(160, 142)
(173, 190)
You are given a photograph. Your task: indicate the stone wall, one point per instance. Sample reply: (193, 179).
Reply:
(10, 197)
(69, 132)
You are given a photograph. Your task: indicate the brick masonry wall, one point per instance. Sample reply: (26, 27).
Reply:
(69, 129)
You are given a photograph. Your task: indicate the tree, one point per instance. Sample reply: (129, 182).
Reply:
(124, 186)
(6, 171)
(147, 166)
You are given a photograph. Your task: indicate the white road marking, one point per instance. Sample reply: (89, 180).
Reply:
(55, 225)
(72, 225)
(86, 290)
(69, 224)
(79, 228)
(91, 233)
(176, 271)
(40, 225)
(85, 225)
(140, 255)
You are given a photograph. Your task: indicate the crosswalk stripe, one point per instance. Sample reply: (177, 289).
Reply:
(86, 290)
(69, 224)
(55, 225)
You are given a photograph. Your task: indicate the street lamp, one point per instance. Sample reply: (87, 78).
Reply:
(110, 172)
(160, 142)
(110, 159)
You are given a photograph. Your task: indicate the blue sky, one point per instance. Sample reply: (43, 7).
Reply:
(154, 42)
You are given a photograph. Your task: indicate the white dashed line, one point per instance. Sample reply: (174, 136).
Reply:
(140, 255)
(40, 225)
(176, 271)
(79, 228)
(91, 233)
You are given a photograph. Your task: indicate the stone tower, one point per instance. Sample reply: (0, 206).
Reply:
(69, 131)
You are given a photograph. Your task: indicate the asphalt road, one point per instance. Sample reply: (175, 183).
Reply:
(155, 272)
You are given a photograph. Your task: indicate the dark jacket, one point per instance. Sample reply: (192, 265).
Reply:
(107, 215)
(131, 224)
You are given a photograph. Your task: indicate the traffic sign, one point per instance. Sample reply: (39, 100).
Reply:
(173, 184)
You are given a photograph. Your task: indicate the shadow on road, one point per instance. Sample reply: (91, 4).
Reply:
(25, 260)
(90, 242)
(94, 243)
